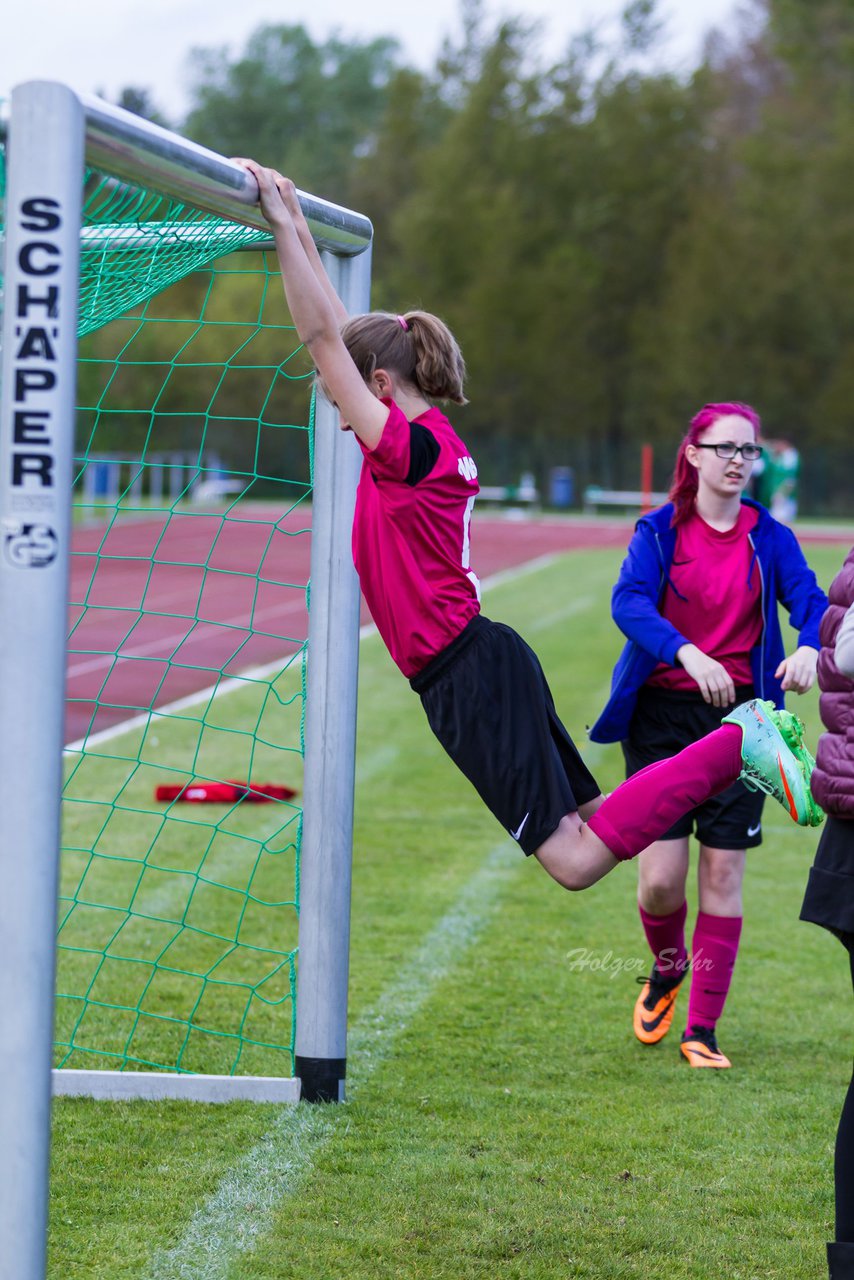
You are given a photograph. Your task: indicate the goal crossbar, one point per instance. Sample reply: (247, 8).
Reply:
(130, 147)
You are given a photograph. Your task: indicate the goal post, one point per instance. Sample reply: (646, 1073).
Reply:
(51, 134)
(40, 290)
(330, 751)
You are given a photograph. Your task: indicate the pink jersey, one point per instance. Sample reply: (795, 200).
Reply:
(717, 601)
(411, 537)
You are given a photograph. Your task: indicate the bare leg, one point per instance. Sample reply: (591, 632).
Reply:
(574, 856)
(662, 876)
(720, 876)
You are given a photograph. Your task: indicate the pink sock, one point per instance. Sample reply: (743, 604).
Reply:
(666, 938)
(713, 952)
(647, 804)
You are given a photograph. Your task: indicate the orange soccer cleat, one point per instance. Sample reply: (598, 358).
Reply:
(654, 1006)
(700, 1048)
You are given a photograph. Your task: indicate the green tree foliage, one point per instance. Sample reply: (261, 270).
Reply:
(538, 223)
(207, 366)
(758, 303)
(815, 39)
(140, 102)
(305, 108)
(613, 245)
(388, 169)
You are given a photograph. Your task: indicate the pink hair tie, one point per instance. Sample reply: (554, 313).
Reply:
(404, 323)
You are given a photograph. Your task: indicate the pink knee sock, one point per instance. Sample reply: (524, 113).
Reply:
(647, 804)
(666, 938)
(713, 952)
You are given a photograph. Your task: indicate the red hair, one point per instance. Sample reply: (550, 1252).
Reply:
(683, 486)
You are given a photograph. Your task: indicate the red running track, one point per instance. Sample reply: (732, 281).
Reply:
(163, 605)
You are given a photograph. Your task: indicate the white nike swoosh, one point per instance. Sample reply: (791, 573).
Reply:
(754, 831)
(517, 833)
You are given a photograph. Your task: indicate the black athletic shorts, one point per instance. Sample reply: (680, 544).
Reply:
(665, 721)
(829, 899)
(488, 703)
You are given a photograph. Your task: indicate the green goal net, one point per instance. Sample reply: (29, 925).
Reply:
(185, 688)
(184, 791)
(184, 735)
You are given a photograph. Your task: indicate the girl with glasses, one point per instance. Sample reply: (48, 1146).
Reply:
(697, 600)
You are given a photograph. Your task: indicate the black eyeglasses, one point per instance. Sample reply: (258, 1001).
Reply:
(727, 450)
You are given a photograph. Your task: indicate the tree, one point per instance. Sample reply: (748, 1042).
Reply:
(306, 108)
(757, 301)
(389, 169)
(138, 100)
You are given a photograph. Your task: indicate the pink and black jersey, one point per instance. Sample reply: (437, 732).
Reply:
(411, 536)
(714, 597)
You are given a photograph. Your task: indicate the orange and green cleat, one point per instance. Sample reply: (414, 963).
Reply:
(775, 758)
(699, 1048)
(655, 1006)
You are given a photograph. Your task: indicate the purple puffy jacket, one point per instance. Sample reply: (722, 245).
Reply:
(833, 778)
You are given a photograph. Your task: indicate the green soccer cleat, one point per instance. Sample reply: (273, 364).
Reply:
(775, 758)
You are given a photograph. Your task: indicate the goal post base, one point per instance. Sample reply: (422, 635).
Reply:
(322, 1079)
(120, 1086)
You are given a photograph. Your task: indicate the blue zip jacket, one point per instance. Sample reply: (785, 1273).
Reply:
(782, 573)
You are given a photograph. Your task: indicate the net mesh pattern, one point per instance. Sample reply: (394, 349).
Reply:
(187, 640)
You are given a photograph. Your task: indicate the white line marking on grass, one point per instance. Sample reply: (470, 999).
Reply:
(241, 1210)
(441, 952)
(233, 683)
(580, 605)
(243, 1204)
(215, 691)
(520, 570)
(196, 630)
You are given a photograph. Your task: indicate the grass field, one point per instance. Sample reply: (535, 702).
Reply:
(502, 1119)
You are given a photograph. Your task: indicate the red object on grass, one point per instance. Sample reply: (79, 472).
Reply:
(224, 792)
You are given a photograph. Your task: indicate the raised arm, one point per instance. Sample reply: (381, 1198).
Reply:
(289, 198)
(315, 307)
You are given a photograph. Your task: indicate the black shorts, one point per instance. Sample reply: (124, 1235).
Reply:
(488, 703)
(667, 720)
(829, 899)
